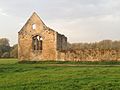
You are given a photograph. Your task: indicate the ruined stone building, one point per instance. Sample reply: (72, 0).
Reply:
(37, 42)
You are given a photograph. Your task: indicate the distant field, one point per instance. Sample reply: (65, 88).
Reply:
(59, 75)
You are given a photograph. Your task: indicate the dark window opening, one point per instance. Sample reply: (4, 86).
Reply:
(37, 43)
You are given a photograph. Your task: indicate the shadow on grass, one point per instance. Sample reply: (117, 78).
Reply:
(77, 63)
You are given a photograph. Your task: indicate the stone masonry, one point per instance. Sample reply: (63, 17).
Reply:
(37, 42)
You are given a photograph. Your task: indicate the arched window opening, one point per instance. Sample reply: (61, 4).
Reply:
(37, 43)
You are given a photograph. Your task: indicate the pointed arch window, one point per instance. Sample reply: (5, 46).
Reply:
(37, 42)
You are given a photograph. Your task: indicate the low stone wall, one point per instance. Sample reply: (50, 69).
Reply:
(90, 55)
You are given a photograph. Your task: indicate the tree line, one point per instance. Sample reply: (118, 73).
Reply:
(6, 51)
(102, 45)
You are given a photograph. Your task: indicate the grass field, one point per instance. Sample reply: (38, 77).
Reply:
(59, 75)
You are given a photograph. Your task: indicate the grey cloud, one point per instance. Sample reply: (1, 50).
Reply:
(80, 20)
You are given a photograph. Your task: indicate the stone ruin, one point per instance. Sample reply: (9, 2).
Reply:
(37, 42)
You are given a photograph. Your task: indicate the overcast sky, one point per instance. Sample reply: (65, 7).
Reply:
(79, 20)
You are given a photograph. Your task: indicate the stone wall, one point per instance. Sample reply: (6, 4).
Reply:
(25, 41)
(61, 42)
(61, 47)
(91, 55)
(52, 42)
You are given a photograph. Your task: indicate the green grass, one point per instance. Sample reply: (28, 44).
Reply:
(58, 75)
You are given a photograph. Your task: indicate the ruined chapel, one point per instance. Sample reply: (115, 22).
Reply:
(37, 42)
